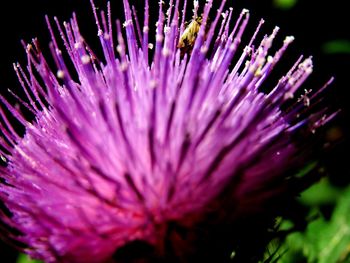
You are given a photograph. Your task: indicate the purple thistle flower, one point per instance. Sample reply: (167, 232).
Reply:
(121, 151)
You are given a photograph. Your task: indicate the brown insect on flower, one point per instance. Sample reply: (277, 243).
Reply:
(189, 36)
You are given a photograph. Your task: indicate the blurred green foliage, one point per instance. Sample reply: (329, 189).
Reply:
(321, 193)
(284, 4)
(339, 46)
(325, 240)
(22, 258)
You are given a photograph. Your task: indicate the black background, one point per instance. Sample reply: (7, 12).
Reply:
(312, 22)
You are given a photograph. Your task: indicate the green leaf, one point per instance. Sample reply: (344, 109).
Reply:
(23, 258)
(335, 243)
(321, 193)
(323, 241)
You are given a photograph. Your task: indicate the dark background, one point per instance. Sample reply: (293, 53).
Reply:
(312, 22)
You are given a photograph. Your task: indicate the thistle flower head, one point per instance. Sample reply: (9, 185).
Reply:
(153, 139)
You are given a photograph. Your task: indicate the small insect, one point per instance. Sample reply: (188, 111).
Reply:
(188, 37)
